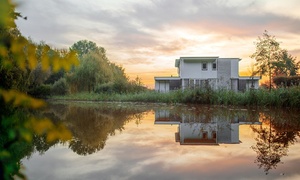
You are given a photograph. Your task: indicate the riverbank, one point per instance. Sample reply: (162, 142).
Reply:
(289, 98)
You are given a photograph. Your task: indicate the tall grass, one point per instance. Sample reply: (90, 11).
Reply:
(289, 97)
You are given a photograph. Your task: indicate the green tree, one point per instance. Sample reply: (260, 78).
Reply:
(96, 73)
(267, 55)
(286, 65)
(83, 47)
(95, 69)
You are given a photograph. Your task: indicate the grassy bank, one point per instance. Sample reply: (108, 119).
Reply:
(276, 98)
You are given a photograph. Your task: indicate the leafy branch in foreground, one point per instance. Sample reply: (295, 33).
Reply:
(18, 57)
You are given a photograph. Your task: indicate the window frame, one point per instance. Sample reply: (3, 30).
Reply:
(214, 68)
(204, 68)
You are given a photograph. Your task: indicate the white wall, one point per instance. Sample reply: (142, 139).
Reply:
(193, 70)
(195, 130)
(234, 68)
(235, 133)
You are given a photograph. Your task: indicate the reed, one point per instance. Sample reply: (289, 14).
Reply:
(283, 97)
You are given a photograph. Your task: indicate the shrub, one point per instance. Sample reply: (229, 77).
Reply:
(60, 87)
(105, 88)
(40, 91)
(286, 81)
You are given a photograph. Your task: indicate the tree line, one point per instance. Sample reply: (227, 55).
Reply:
(95, 73)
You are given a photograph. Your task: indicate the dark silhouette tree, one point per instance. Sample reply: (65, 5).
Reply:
(274, 139)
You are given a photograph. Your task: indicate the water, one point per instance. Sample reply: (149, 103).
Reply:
(159, 141)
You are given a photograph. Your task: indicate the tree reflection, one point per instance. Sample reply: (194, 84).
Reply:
(41, 145)
(279, 130)
(91, 125)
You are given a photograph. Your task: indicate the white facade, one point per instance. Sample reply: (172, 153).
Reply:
(200, 72)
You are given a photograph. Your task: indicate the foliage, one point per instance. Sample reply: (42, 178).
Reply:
(121, 87)
(19, 59)
(271, 60)
(276, 98)
(96, 73)
(284, 81)
(274, 139)
(55, 77)
(105, 88)
(266, 55)
(42, 91)
(286, 65)
(84, 47)
(60, 87)
(104, 120)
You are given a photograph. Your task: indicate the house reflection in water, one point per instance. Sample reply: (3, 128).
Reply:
(203, 129)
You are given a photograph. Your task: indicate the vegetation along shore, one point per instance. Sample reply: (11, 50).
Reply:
(282, 97)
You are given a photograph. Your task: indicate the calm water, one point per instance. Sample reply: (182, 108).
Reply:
(159, 141)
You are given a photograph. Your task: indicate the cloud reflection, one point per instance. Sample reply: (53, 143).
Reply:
(145, 150)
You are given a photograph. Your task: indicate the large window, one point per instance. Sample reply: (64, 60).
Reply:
(204, 66)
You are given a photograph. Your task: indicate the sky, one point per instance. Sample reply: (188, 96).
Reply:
(146, 36)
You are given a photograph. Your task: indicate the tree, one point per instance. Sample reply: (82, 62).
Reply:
(95, 69)
(267, 55)
(84, 47)
(286, 65)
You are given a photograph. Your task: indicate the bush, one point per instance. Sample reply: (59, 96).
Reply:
(60, 87)
(40, 91)
(105, 88)
(286, 81)
(119, 87)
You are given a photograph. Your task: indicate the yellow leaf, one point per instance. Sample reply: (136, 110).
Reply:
(26, 135)
(21, 99)
(3, 51)
(45, 63)
(36, 103)
(64, 133)
(39, 126)
(32, 61)
(56, 64)
(51, 136)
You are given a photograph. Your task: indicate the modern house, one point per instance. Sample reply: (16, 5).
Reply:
(201, 72)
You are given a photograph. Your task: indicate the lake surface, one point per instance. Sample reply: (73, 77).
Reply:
(160, 141)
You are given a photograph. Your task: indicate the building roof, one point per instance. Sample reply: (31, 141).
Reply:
(201, 59)
(249, 77)
(167, 78)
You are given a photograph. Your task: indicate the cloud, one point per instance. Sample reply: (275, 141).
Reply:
(150, 32)
(141, 25)
(170, 47)
(211, 16)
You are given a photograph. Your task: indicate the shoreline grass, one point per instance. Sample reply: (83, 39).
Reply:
(289, 98)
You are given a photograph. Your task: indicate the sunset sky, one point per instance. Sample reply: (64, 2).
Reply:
(146, 36)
